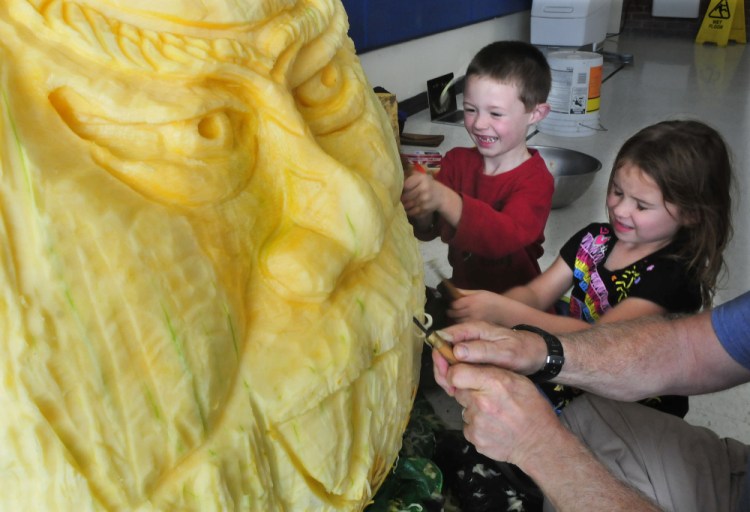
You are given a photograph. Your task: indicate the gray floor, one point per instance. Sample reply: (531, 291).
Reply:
(669, 78)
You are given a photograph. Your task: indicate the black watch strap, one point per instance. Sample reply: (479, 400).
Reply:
(555, 357)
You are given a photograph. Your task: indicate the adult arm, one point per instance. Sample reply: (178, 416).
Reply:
(508, 419)
(625, 361)
(651, 356)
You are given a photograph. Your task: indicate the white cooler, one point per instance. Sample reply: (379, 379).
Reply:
(569, 22)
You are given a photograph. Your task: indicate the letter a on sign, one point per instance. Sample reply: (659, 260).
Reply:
(724, 20)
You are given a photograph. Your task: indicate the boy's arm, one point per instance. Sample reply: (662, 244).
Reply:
(423, 196)
(492, 233)
(451, 205)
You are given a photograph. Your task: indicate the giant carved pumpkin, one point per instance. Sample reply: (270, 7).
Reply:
(206, 278)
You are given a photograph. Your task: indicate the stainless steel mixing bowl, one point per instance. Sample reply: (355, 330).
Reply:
(573, 171)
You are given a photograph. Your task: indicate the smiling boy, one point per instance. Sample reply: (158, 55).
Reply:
(490, 203)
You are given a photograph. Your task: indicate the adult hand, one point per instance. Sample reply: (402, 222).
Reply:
(505, 416)
(482, 343)
(508, 419)
(421, 195)
(475, 305)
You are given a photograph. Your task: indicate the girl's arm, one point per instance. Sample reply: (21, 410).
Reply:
(546, 289)
(631, 308)
(530, 304)
(522, 305)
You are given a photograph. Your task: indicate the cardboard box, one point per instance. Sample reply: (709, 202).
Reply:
(423, 161)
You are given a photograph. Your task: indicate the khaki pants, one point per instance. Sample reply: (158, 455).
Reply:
(681, 467)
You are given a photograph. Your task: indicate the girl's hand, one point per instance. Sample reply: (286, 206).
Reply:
(476, 305)
(421, 195)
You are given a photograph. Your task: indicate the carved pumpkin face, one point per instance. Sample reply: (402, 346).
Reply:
(207, 281)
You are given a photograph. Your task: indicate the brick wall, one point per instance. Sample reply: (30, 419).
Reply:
(636, 17)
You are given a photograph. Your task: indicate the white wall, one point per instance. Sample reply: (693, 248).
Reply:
(615, 16)
(404, 69)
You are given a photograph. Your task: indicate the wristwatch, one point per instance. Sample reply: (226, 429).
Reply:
(555, 357)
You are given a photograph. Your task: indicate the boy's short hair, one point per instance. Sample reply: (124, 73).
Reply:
(518, 63)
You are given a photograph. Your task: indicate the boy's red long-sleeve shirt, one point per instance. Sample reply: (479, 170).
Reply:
(499, 238)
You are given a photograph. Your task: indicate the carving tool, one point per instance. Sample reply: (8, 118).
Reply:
(452, 290)
(419, 139)
(434, 340)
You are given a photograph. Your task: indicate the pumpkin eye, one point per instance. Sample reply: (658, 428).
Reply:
(215, 126)
(189, 161)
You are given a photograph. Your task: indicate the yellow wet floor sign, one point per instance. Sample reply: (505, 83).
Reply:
(724, 21)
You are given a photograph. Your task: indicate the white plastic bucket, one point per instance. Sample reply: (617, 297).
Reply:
(575, 94)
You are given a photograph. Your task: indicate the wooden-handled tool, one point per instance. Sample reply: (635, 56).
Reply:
(434, 340)
(452, 290)
(417, 139)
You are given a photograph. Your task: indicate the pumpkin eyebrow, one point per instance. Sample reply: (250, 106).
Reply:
(185, 43)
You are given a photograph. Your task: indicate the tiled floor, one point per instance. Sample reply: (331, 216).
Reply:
(668, 78)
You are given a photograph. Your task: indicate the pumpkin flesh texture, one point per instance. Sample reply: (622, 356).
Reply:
(207, 280)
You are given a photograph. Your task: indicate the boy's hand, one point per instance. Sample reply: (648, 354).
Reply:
(421, 195)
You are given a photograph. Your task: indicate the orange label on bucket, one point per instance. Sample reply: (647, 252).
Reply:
(595, 89)
(574, 94)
